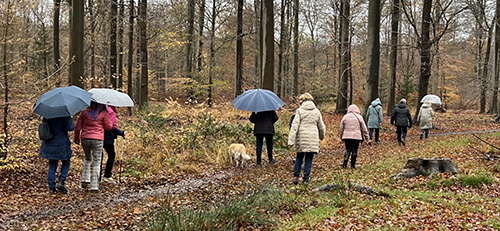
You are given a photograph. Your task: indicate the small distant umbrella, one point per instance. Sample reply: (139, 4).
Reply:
(111, 97)
(434, 99)
(257, 100)
(62, 102)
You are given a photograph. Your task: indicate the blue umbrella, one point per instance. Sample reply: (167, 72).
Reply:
(257, 100)
(62, 102)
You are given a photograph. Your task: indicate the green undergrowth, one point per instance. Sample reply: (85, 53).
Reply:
(259, 209)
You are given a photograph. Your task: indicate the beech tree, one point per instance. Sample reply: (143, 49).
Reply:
(76, 43)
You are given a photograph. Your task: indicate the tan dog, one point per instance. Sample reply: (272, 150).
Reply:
(238, 154)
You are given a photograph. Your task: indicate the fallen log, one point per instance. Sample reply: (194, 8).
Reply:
(425, 166)
(367, 190)
(328, 187)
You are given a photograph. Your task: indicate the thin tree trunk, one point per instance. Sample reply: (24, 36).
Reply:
(296, 8)
(373, 62)
(76, 43)
(201, 26)
(130, 58)
(144, 52)
(212, 54)
(4, 144)
(494, 102)
(120, 44)
(55, 42)
(268, 46)
(239, 50)
(281, 51)
(92, 41)
(257, 64)
(189, 45)
(112, 43)
(394, 56)
(484, 82)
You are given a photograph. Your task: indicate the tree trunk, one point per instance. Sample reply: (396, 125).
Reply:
(4, 145)
(373, 61)
(212, 54)
(425, 53)
(76, 43)
(55, 42)
(112, 44)
(394, 56)
(201, 26)
(120, 44)
(257, 24)
(344, 57)
(268, 45)
(130, 58)
(239, 50)
(281, 51)
(494, 101)
(296, 8)
(92, 41)
(425, 166)
(189, 45)
(484, 77)
(144, 52)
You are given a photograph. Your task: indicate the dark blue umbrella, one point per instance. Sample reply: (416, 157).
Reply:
(62, 102)
(257, 100)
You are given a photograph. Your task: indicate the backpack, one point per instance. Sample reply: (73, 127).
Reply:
(44, 132)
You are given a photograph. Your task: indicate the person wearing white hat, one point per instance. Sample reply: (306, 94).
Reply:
(401, 118)
(375, 118)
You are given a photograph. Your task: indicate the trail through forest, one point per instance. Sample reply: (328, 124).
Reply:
(129, 204)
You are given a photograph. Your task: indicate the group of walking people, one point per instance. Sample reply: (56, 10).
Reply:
(307, 129)
(95, 129)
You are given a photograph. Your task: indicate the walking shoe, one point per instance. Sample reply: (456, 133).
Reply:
(60, 187)
(295, 180)
(403, 141)
(272, 162)
(85, 184)
(52, 190)
(421, 136)
(108, 180)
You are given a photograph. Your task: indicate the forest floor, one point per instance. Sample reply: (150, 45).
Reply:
(130, 203)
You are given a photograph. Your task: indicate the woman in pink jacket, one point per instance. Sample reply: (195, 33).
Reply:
(89, 129)
(352, 130)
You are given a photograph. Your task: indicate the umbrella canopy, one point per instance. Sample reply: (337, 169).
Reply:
(62, 102)
(257, 100)
(434, 99)
(111, 97)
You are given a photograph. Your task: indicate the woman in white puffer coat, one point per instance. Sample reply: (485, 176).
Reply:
(425, 118)
(306, 131)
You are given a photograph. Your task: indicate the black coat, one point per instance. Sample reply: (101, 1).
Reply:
(401, 116)
(264, 122)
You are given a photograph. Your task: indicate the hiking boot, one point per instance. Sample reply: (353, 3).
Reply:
(85, 185)
(295, 180)
(52, 190)
(421, 136)
(403, 142)
(272, 162)
(60, 187)
(108, 180)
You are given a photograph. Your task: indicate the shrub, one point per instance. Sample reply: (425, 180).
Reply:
(476, 181)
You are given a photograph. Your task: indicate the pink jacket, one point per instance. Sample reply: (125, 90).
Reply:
(112, 116)
(352, 125)
(90, 128)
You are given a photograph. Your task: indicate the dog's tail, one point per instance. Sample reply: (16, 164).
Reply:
(246, 157)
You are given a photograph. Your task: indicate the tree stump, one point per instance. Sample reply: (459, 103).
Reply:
(425, 166)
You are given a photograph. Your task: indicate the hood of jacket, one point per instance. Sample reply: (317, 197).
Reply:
(354, 109)
(376, 103)
(308, 105)
(402, 105)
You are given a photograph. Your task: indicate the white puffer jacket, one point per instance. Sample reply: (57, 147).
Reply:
(307, 128)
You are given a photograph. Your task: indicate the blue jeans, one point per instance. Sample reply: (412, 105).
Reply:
(426, 132)
(307, 165)
(53, 170)
(269, 145)
(377, 133)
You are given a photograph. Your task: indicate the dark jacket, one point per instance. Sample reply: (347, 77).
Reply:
(401, 116)
(264, 122)
(59, 147)
(110, 136)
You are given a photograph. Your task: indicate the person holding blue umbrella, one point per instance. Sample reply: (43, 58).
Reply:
(264, 128)
(57, 106)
